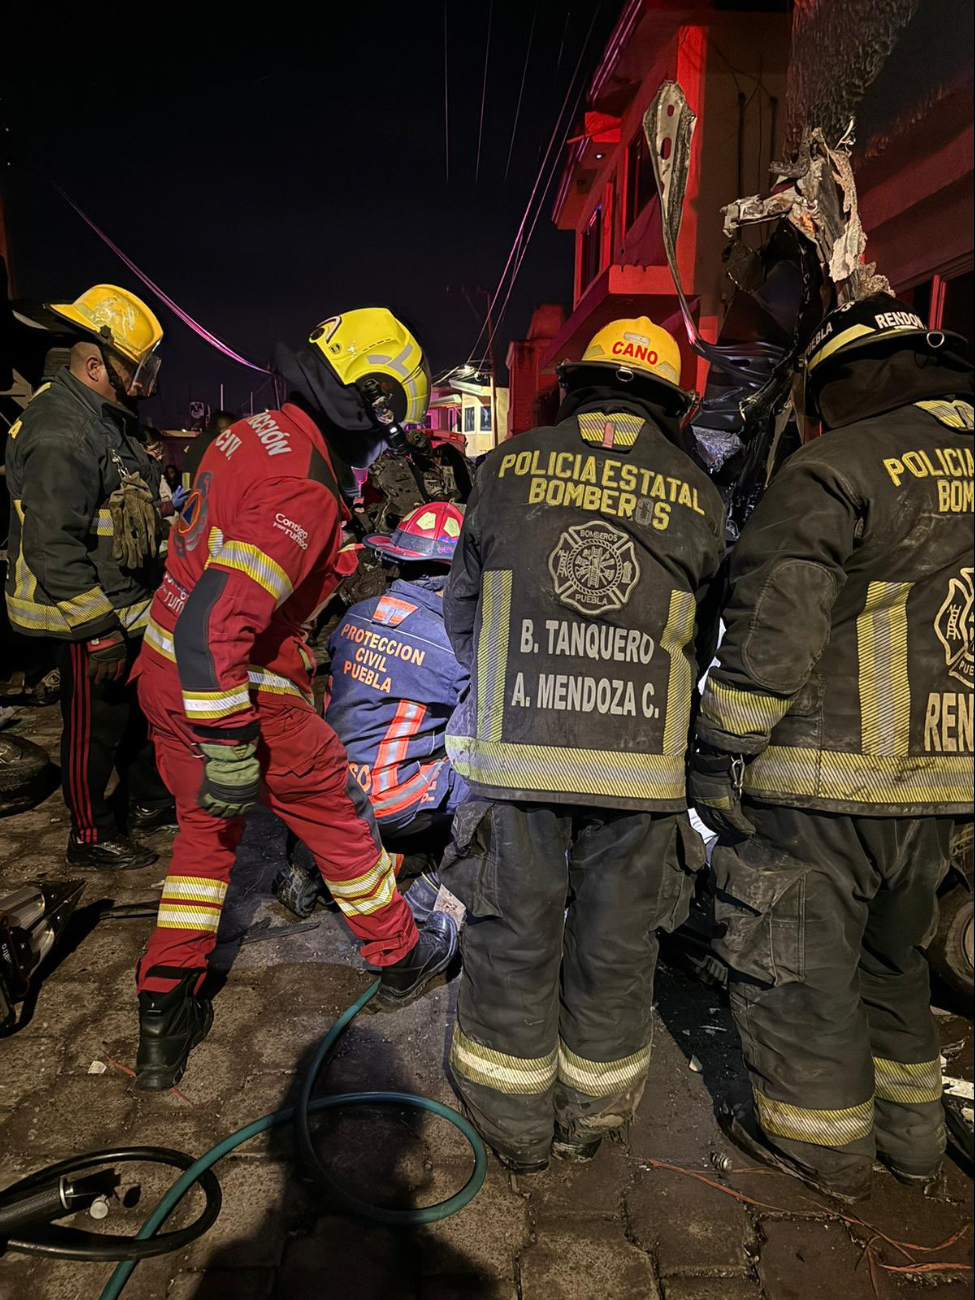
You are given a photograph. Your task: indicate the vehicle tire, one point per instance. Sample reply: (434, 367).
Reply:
(23, 774)
(950, 952)
(297, 890)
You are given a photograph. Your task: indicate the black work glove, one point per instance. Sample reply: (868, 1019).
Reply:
(107, 658)
(714, 788)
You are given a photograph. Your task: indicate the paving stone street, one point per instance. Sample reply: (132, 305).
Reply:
(670, 1213)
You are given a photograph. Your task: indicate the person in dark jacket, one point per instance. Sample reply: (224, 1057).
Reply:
(834, 751)
(82, 567)
(573, 602)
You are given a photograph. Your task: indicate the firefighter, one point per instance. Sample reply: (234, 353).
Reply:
(395, 681)
(834, 749)
(225, 677)
(573, 601)
(83, 544)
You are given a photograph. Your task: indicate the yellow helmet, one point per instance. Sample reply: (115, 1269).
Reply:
(371, 344)
(633, 349)
(122, 322)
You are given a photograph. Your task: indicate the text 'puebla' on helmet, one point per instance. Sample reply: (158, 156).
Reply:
(371, 349)
(879, 322)
(428, 532)
(117, 319)
(631, 350)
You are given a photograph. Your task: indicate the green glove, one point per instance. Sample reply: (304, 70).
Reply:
(135, 522)
(231, 778)
(714, 788)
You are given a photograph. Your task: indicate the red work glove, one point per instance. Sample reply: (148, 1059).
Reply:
(107, 658)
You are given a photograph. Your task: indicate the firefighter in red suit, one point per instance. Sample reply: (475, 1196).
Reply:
(225, 678)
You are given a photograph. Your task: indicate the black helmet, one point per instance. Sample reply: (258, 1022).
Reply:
(880, 322)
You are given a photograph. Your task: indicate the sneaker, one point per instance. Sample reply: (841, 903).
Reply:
(432, 953)
(119, 854)
(421, 896)
(738, 1123)
(151, 817)
(572, 1150)
(170, 1026)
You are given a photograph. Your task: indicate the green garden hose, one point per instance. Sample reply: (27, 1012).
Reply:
(298, 1115)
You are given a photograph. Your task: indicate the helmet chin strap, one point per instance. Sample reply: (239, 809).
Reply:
(119, 385)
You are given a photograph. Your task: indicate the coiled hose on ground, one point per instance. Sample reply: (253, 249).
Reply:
(148, 1240)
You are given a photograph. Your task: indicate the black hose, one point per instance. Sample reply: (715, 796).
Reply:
(69, 1243)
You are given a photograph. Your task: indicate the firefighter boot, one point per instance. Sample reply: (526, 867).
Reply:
(739, 1124)
(433, 952)
(170, 1026)
(571, 1149)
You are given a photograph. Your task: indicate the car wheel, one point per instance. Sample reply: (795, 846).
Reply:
(23, 772)
(950, 952)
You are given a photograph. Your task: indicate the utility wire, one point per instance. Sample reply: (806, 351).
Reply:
(516, 247)
(521, 90)
(446, 100)
(487, 56)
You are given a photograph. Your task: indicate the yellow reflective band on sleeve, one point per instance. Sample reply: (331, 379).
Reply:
(188, 916)
(602, 1078)
(824, 1128)
(543, 767)
(215, 704)
(908, 1084)
(81, 609)
(519, 1076)
(885, 693)
(262, 680)
(135, 617)
(677, 633)
(196, 889)
(101, 524)
(741, 713)
(245, 558)
(367, 893)
(160, 640)
(32, 615)
(861, 778)
(492, 652)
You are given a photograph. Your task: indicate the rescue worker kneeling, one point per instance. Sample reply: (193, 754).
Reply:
(573, 602)
(842, 711)
(225, 678)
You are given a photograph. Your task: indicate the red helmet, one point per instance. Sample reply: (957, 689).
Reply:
(429, 532)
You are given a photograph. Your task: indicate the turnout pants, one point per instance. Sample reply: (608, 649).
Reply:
(307, 784)
(824, 916)
(103, 729)
(554, 1009)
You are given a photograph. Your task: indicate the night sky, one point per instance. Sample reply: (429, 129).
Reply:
(267, 184)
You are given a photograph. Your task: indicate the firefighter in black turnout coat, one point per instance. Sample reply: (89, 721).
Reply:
(573, 601)
(842, 713)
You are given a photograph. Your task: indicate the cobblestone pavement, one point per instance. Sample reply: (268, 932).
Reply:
(628, 1225)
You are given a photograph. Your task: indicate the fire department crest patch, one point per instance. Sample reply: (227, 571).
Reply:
(953, 625)
(594, 568)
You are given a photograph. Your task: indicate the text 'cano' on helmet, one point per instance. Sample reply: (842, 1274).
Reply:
(428, 532)
(631, 350)
(371, 344)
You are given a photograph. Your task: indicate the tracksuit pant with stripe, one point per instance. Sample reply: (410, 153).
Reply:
(823, 917)
(103, 730)
(554, 1009)
(307, 784)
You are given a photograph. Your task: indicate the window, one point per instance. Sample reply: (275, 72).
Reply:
(468, 419)
(640, 185)
(485, 419)
(944, 303)
(592, 248)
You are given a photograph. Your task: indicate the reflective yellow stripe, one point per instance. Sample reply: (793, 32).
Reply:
(36, 617)
(885, 692)
(258, 566)
(593, 771)
(102, 525)
(677, 633)
(363, 884)
(515, 1075)
(492, 652)
(602, 1078)
(365, 906)
(134, 617)
(198, 889)
(900, 1082)
(861, 778)
(175, 917)
(160, 640)
(626, 427)
(741, 713)
(81, 609)
(850, 336)
(824, 1128)
(215, 704)
(262, 680)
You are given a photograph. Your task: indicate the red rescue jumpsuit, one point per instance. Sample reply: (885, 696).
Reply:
(252, 557)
